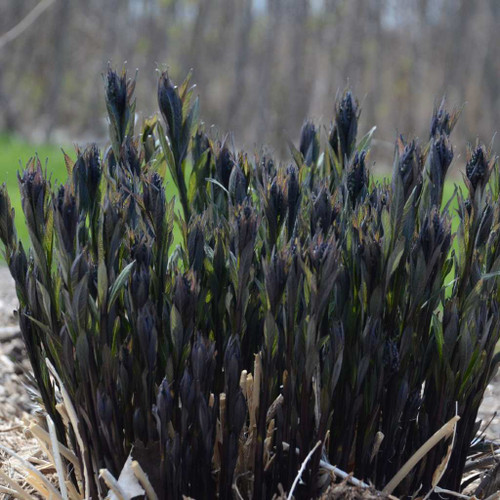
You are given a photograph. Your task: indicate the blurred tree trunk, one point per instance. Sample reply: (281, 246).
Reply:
(352, 42)
(332, 35)
(477, 68)
(238, 95)
(374, 63)
(109, 26)
(60, 32)
(300, 76)
(195, 47)
(265, 116)
(458, 43)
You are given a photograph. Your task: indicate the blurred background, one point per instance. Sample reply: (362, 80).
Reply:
(261, 66)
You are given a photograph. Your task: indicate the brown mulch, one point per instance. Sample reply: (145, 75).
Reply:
(344, 491)
(14, 399)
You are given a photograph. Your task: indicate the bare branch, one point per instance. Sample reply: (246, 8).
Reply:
(25, 23)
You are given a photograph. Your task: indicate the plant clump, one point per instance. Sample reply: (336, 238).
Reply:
(304, 303)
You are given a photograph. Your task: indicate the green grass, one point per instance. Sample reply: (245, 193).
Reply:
(15, 153)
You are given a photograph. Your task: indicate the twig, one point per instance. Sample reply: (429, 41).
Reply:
(25, 23)
(42, 435)
(469, 480)
(144, 480)
(74, 422)
(482, 463)
(72, 491)
(18, 491)
(235, 484)
(112, 484)
(237, 492)
(47, 484)
(442, 433)
(331, 468)
(257, 372)
(441, 468)
(344, 475)
(57, 457)
(438, 489)
(302, 469)
(490, 482)
(10, 429)
(7, 491)
(478, 438)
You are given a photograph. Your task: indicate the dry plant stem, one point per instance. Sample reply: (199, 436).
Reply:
(344, 475)
(18, 491)
(235, 484)
(46, 483)
(222, 412)
(442, 433)
(72, 491)
(256, 390)
(338, 472)
(144, 480)
(74, 422)
(490, 482)
(243, 382)
(237, 492)
(495, 496)
(469, 479)
(437, 489)
(478, 438)
(482, 463)
(42, 435)
(39, 461)
(57, 458)
(7, 491)
(440, 470)
(379, 437)
(302, 469)
(61, 409)
(10, 429)
(112, 484)
(44, 445)
(271, 412)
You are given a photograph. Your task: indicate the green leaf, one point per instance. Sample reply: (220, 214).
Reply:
(46, 302)
(468, 372)
(488, 276)
(168, 154)
(119, 283)
(102, 272)
(46, 329)
(217, 183)
(438, 333)
(102, 281)
(297, 155)
(366, 140)
(395, 258)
